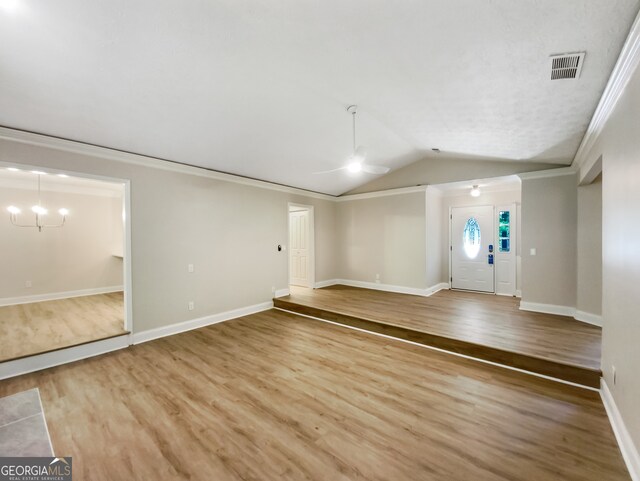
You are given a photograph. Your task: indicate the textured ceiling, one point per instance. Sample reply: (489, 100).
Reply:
(259, 88)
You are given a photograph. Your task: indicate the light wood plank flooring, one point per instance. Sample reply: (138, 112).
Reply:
(483, 326)
(27, 329)
(276, 396)
(492, 320)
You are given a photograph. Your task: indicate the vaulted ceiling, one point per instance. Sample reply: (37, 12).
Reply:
(259, 88)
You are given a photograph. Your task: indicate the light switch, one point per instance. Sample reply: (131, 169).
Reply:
(532, 251)
(190, 268)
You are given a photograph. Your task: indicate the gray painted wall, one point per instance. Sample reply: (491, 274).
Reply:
(589, 251)
(549, 224)
(227, 230)
(619, 147)
(435, 238)
(383, 235)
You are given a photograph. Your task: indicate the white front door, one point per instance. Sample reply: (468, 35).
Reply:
(472, 245)
(299, 248)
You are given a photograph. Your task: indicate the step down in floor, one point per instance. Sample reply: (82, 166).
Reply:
(566, 372)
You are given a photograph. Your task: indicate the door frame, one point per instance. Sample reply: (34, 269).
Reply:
(312, 243)
(451, 245)
(126, 226)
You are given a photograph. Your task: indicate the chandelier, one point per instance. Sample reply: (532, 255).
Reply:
(39, 211)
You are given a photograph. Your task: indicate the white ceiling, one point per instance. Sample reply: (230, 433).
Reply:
(260, 88)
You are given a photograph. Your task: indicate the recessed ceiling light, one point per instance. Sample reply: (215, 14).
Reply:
(63, 175)
(475, 192)
(38, 172)
(13, 169)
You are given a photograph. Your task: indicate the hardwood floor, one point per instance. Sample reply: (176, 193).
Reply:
(485, 326)
(277, 396)
(27, 329)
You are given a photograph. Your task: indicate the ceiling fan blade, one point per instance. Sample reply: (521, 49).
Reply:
(375, 169)
(329, 171)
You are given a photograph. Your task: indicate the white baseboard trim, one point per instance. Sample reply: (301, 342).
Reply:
(151, 334)
(327, 283)
(547, 308)
(628, 449)
(281, 293)
(11, 301)
(589, 318)
(62, 356)
(382, 287)
(416, 291)
(437, 288)
(519, 293)
(581, 316)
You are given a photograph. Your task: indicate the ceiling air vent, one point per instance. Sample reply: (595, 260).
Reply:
(566, 66)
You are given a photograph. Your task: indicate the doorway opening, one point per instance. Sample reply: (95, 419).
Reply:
(481, 234)
(68, 269)
(301, 245)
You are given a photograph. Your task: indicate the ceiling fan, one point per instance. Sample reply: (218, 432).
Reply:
(357, 159)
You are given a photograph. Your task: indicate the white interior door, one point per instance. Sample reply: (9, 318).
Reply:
(472, 244)
(299, 248)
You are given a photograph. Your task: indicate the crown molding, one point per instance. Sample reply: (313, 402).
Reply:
(622, 72)
(541, 174)
(381, 193)
(65, 145)
(434, 191)
(116, 192)
(39, 140)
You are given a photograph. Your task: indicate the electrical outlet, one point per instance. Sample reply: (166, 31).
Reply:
(191, 305)
(28, 284)
(190, 268)
(613, 374)
(532, 251)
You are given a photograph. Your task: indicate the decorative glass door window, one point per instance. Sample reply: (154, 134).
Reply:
(504, 231)
(471, 238)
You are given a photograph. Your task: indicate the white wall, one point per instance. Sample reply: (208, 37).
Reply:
(229, 231)
(589, 248)
(75, 257)
(619, 146)
(385, 236)
(549, 224)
